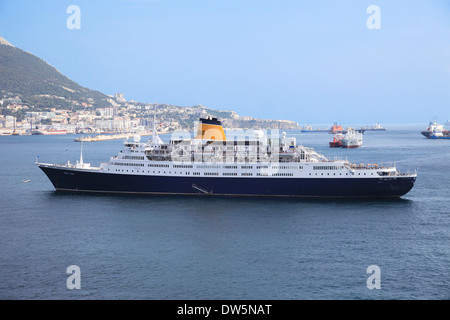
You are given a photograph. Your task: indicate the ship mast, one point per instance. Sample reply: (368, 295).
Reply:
(155, 138)
(81, 155)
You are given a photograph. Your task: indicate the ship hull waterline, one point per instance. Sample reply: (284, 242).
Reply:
(73, 180)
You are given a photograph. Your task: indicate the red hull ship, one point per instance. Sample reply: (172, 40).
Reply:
(337, 143)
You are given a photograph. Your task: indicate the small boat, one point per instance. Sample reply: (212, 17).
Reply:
(26, 181)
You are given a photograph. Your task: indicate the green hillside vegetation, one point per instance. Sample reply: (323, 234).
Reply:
(28, 76)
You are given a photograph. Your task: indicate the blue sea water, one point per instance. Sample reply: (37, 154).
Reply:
(173, 247)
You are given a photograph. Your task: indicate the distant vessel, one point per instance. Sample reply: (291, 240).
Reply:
(50, 131)
(337, 141)
(352, 139)
(102, 137)
(337, 129)
(310, 129)
(210, 165)
(435, 131)
(375, 127)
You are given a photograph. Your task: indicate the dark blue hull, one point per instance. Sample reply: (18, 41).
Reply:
(65, 179)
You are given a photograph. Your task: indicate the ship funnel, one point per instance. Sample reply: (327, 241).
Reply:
(210, 129)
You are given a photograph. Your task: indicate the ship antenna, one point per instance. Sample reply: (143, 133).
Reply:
(154, 133)
(81, 153)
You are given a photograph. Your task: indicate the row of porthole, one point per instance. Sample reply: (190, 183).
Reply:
(242, 174)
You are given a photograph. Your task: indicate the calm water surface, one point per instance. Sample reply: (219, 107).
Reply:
(172, 247)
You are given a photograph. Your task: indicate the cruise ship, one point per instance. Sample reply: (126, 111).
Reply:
(213, 164)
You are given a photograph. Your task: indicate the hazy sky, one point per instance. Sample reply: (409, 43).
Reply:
(310, 61)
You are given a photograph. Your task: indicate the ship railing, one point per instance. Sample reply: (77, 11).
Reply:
(68, 164)
(408, 172)
(310, 153)
(370, 166)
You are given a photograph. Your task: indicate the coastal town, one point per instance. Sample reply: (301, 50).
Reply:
(19, 118)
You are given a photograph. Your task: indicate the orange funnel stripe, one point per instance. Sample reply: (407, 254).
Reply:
(210, 132)
(210, 129)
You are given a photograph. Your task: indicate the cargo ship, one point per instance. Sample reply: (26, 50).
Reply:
(306, 129)
(335, 128)
(352, 139)
(375, 127)
(436, 131)
(212, 164)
